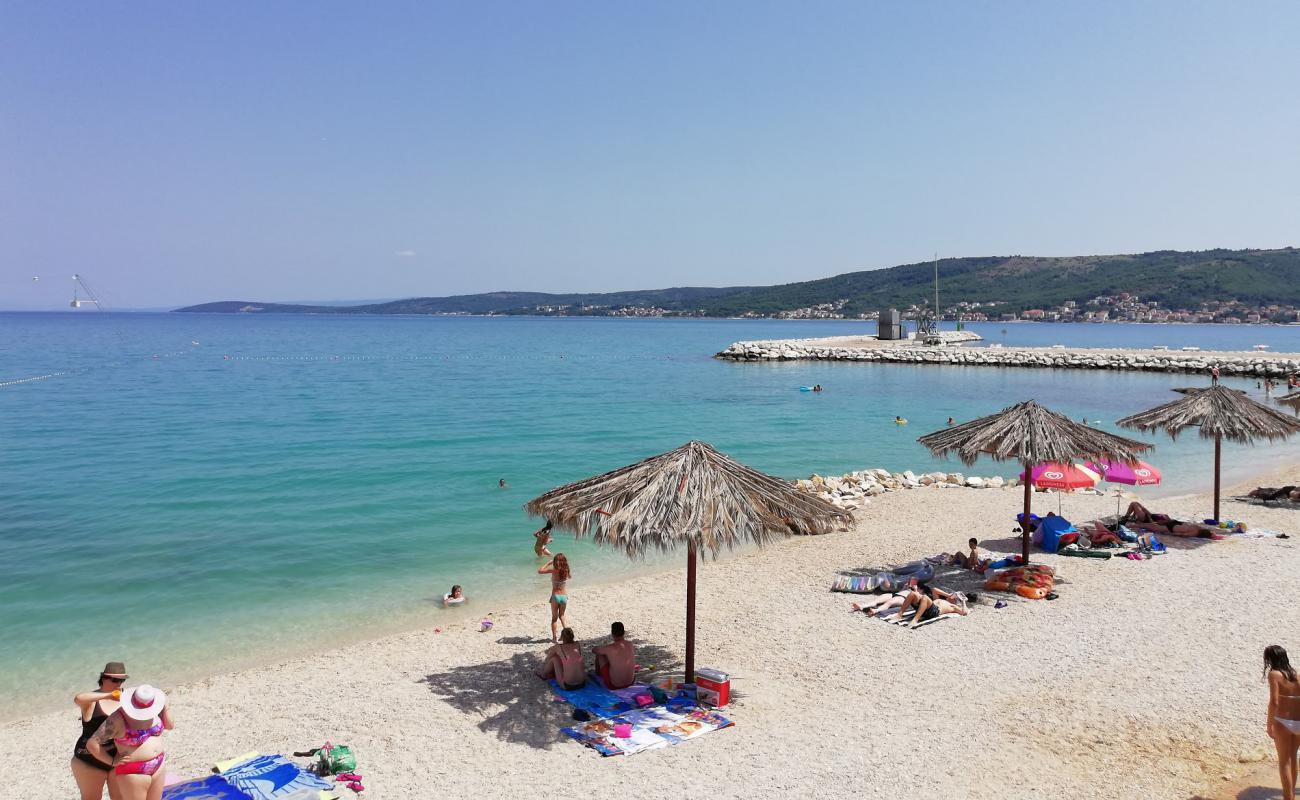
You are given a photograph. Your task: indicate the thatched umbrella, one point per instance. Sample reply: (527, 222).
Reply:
(1292, 400)
(1030, 434)
(1220, 413)
(694, 496)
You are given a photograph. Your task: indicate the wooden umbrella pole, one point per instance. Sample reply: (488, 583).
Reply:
(690, 613)
(1218, 441)
(1024, 521)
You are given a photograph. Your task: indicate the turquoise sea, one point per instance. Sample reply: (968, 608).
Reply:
(190, 492)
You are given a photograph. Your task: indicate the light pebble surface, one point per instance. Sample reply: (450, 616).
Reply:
(1141, 681)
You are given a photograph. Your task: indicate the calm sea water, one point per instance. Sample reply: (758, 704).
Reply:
(189, 493)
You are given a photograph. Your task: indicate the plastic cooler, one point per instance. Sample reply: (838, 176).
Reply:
(712, 687)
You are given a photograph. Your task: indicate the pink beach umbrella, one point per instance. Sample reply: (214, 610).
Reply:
(1051, 475)
(1139, 474)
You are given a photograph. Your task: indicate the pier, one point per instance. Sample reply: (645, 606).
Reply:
(868, 348)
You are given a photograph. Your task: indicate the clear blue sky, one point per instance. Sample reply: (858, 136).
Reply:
(179, 152)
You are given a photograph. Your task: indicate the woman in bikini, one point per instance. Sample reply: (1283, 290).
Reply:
(1138, 516)
(1283, 714)
(136, 729)
(558, 569)
(92, 774)
(564, 663)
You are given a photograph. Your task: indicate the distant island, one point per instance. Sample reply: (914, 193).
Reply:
(1226, 286)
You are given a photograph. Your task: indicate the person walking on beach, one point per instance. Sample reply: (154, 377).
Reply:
(558, 569)
(1283, 714)
(543, 537)
(92, 774)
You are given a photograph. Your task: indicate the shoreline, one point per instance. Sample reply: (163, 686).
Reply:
(424, 614)
(466, 695)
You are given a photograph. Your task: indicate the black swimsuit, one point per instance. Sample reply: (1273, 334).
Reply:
(88, 728)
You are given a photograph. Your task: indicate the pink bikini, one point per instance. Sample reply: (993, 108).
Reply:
(135, 738)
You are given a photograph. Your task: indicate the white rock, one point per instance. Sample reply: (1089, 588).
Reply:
(995, 482)
(975, 482)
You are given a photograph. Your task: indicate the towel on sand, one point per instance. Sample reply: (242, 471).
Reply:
(652, 728)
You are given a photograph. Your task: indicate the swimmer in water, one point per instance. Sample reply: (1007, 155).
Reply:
(817, 388)
(455, 597)
(501, 484)
(543, 536)
(952, 421)
(899, 421)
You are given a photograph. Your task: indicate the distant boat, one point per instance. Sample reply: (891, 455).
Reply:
(1261, 347)
(1160, 347)
(1191, 349)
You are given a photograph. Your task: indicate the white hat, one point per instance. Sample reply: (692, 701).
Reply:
(143, 702)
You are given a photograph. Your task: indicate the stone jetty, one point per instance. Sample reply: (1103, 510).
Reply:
(1246, 365)
(855, 489)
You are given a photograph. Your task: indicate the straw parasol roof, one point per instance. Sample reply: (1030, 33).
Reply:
(1031, 434)
(692, 496)
(1221, 413)
(1292, 400)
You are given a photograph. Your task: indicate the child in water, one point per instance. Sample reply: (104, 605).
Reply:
(455, 597)
(543, 536)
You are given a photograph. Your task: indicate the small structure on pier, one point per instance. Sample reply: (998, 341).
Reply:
(890, 325)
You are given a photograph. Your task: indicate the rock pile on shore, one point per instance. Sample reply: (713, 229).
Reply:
(856, 488)
(1252, 366)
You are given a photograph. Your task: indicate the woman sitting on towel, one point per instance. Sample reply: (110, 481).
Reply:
(930, 603)
(564, 663)
(1138, 516)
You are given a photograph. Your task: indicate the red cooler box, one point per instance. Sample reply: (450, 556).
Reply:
(712, 687)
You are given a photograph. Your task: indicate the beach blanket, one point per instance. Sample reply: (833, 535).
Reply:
(652, 728)
(274, 778)
(593, 698)
(629, 694)
(213, 787)
(891, 616)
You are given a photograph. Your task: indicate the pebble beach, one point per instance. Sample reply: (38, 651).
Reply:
(1142, 680)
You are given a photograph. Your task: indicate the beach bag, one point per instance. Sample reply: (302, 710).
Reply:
(337, 759)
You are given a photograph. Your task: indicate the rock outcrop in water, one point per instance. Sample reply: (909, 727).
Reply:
(1251, 366)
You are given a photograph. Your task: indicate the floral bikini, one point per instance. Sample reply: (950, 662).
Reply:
(135, 738)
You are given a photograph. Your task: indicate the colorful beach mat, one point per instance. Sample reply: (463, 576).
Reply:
(213, 787)
(652, 728)
(272, 778)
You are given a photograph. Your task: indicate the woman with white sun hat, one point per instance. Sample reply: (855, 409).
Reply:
(136, 728)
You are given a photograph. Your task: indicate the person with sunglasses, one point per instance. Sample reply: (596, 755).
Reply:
(91, 774)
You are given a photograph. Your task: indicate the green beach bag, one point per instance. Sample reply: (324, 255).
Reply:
(337, 759)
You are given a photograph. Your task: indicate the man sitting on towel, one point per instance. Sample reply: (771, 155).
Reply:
(616, 661)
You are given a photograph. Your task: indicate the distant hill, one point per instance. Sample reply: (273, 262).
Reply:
(1174, 279)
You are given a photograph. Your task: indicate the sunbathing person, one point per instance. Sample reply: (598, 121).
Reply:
(974, 559)
(563, 662)
(881, 604)
(1138, 516)
(616, 661)
(930, 603)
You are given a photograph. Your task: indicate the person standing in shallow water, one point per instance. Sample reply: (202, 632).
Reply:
(1283, 714)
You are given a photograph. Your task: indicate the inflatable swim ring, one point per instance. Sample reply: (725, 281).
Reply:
(1031, 592)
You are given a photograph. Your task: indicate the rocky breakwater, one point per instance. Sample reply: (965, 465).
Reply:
(856, 489)
(1243, 365)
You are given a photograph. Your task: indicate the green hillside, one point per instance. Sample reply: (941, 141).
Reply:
(1175, 279)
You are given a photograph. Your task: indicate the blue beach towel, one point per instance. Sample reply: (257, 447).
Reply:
(213, 787)
(272, 777)
(593, 698)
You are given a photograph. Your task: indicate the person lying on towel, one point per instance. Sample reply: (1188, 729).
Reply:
(974, 559)
(930, 603)
(616, 661)
(1138, 516)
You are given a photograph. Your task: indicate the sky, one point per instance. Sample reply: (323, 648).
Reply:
(177, 153)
